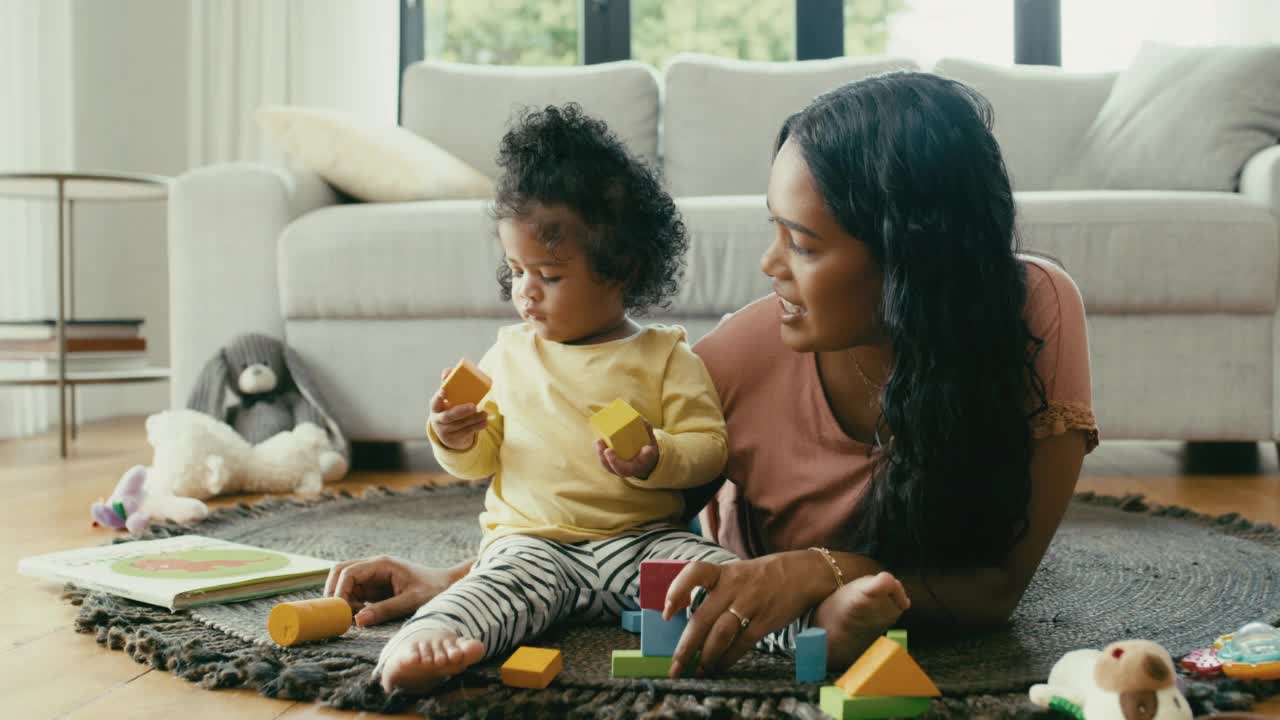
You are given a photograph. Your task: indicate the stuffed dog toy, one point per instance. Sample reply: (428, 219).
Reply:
(274, 392)
(1127, 680)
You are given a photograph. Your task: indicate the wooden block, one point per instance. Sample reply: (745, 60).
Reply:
(658, 637)
(621, 428)
(466, 383)
(632, 664)
(531, 667)
(291, 623)
(898, 636)
(886, 669)
(631, 621)
(840, 706)
(811, 655)
(655, 578)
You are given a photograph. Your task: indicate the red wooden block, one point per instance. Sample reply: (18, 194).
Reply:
(655, 578)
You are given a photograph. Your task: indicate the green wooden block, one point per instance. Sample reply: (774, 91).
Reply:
(842, 706)
(898, 636)
(632, 664)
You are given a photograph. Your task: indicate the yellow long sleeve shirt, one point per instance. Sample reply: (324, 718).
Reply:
(538, 444)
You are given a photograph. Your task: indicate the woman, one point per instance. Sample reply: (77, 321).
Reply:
(914, 397)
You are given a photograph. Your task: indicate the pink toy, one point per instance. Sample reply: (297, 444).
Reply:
(131, 507)
(1204, 662)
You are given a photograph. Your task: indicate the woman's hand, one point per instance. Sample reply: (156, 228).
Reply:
(385, 588)
(639, 466)
(769, 592)
(455, 426)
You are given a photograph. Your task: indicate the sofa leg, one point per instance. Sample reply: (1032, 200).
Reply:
(377, 456)
(1222, 458)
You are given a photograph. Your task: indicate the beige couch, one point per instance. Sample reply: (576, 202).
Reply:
(1181, 287)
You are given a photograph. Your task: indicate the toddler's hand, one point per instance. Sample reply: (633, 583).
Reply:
(455, 426)
(639, 466)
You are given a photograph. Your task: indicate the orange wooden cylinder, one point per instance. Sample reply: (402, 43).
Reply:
(291, 623)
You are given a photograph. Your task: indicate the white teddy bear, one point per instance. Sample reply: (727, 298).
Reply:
(1127, 680)
(199, 456)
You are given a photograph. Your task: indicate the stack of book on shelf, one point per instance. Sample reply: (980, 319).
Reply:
(30, 347)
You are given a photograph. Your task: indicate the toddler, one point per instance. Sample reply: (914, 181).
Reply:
(589, 239)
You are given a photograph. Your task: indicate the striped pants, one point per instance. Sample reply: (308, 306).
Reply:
(522, 585)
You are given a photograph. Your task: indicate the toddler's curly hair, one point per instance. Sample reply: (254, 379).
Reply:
(560, 156)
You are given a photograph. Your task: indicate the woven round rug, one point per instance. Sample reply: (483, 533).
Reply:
(1117, 569)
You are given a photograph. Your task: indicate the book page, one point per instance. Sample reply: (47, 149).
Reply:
(161, 571)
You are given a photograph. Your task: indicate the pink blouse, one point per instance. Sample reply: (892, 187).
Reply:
(795, 477)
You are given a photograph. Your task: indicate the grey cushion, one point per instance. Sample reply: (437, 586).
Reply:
(1182, 119)
(1041, 113)
(721, 116)
(465, 109)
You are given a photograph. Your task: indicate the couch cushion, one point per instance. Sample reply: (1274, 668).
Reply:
(1182, 119)
(438, 260)
(720, 117)
(465, 109)
(1135, 252)
(1130, 252)
(1041, 113)
(369, 161)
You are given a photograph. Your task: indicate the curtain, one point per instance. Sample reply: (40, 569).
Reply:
(35, 134)
(245, 54)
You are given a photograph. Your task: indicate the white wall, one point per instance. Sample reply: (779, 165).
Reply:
(129, 63)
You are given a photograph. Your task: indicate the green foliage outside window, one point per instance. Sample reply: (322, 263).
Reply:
(503, 32)
(545, 32)
(866, 25)
(743, 29)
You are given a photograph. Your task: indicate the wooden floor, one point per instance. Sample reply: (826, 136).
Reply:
(47, 670)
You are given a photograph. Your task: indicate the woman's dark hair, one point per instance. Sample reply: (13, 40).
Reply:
(907, 165)
(560, 156)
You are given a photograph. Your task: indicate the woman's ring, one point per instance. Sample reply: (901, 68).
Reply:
(743, 620)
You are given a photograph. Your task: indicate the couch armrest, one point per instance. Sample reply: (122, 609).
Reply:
(224, 224)
(1260, 178)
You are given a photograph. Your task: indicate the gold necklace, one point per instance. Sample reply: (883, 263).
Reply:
(873, 387)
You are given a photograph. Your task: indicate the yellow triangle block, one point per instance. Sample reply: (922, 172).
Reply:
(886, 669)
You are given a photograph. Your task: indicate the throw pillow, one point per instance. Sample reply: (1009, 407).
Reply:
(372, 162)
(1181, 119)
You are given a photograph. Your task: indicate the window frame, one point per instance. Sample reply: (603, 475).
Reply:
(604, 31)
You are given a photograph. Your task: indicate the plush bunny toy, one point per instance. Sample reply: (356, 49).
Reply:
(1127, 680)
(274, 392)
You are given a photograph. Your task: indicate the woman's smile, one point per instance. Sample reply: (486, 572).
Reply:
(791, 312)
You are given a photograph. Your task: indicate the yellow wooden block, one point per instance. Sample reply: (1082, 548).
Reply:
(621, 428)
(291, 623)
(886, 669)
(466, 383)
(531, 667)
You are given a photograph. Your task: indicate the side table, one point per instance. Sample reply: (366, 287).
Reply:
(67, 188)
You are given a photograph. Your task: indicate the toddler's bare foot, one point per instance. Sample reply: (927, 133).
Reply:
(856, 614)
(419, 660)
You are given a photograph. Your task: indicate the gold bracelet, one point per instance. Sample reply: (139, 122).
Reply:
(835, 567)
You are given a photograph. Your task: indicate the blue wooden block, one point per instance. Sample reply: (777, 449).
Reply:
(811, 655)
(631, 621)
(658, 637)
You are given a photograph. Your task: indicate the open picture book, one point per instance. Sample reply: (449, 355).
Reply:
(180, 572)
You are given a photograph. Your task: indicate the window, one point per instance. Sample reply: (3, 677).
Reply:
(502, 32)
(928, 30)
(743, 29)
(1101, 35)
(567, 32)
(867, 22)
